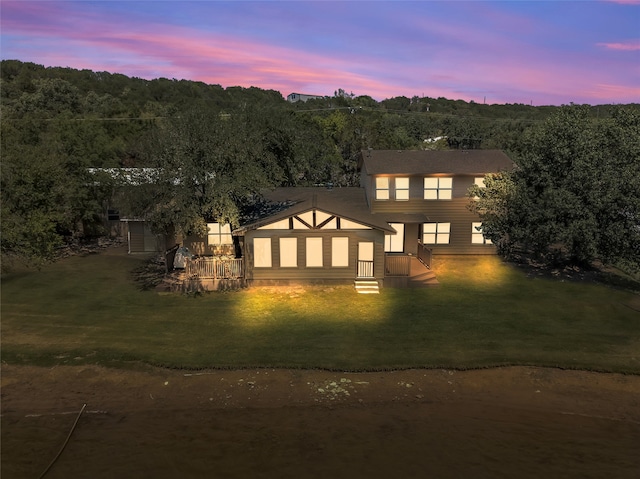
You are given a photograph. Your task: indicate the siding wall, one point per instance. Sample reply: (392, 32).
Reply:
(301, 272)
(452, 211)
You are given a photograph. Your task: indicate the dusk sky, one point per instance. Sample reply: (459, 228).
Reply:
(539, 52)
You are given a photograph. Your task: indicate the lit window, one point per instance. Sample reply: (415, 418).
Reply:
(314, 252)
(352, 225)
(262, 252)
(288, 252)
(479, 182)
(219, 234)
(436, 233)
(477, 237)
(395, 243)
(438, 188)
(382, 188)
(402, 188)
(339, 252)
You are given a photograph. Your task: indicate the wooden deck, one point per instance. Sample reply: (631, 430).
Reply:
(419, 277)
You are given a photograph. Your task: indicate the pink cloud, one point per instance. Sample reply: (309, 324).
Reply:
(625, 46)
(446, 60)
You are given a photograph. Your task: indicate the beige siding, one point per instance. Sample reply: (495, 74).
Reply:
(301, 272)
(456, 213)
(452, 211)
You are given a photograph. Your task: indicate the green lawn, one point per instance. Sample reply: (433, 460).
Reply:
(485, 313)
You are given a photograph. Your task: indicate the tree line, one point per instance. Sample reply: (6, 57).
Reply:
(228, 143)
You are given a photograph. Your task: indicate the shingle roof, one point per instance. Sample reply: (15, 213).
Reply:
(349, 203)
(431, 162)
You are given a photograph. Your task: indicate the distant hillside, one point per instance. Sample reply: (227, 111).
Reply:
(124, 109)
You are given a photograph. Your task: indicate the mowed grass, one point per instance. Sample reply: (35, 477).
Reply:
(485, 313)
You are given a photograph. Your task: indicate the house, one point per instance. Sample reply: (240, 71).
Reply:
(327, 235)
(434, 184)
(411, 206)
(293, 97)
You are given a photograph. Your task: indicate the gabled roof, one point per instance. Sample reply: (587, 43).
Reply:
(432, 162)
(349, 203)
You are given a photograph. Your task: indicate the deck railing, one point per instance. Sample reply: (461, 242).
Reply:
(365, 269)
(397, 265)
(211, 267)
(424, 254)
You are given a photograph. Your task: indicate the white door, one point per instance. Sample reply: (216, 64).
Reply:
(365, 259)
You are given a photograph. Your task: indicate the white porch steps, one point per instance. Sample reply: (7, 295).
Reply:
(364, 286)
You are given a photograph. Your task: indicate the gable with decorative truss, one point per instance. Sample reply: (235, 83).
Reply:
(315, 220)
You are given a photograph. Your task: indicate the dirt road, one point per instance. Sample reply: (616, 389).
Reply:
(155, 423)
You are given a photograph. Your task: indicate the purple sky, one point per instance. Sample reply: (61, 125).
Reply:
(544, 52)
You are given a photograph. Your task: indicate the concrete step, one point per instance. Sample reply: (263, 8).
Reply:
(367, 287)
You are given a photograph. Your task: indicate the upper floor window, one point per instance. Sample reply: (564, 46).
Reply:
(479, 182)
(219, 234)
(438, 188)
(382, 188)
(402, 188)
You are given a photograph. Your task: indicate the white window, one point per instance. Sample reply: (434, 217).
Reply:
(438, 188)
(382, 188)
(262, 252)
(339, 252)
(314, 252)
(278, 225)
(436, 233)
(352, 225)
(477, 237)
(218, 234)
(402, 188)
(478, 181)
(288, 252)
(395, 243)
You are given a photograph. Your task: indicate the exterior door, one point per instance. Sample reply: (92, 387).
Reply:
(365, 259)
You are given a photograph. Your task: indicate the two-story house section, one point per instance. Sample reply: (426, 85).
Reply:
(423, 196)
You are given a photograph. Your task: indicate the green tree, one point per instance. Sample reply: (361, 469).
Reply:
(575, 196)
(206, 166)
(47, 193)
